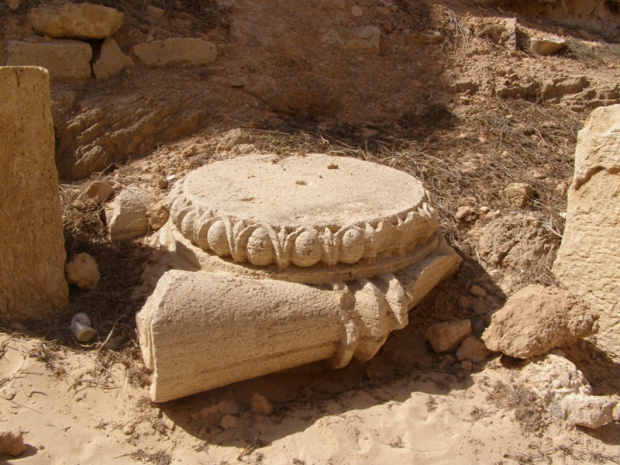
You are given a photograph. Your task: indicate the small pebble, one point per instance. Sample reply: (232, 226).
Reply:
(477, 291)
(466, 365)
(229, 422)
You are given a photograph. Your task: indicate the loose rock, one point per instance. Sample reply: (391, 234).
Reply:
(12, 443)
(158, 215)
(83, 271)
(446, 337)
(127, 216)
(111, 61)
(547, 46)
(229, 422)
(80, 21)
(537, 319)
(566, 392)
(517, 195)
(472, 349)
(477, 291)
(261, 405)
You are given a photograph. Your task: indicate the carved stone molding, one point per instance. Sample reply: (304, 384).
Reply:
(324, 215)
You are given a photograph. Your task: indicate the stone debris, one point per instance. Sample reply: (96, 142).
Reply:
(95, 194)
(429, 37)
(214, 413)
(588, 262)
(12, 442)
(537, 319)
(546, 46)
(78, 21)
(261, 405)
(472, 349)
(477, 291)
(566, 393)
(229, 422)
(516, 242)
(176, 51)
(257, 279)
(64, 59)
(155, 13)
(32, 276)
(158, 215)
(127, 216)
(356, 11)
(446, 337)
(111, 60)
(516, 195)
(83, 271)
(13, 4)
(466, 213)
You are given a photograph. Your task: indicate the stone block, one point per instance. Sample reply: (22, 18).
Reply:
(176, 51)
(32, 277)
(68, 59)
(76, 21)
(111, 61)
(588, 262)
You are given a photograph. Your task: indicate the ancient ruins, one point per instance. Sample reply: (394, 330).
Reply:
(32, 276)
(293, 260)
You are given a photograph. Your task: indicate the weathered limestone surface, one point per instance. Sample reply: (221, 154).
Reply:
(111, 60)
(588, 262)
(79, 21)
(176, 51)
(127, 216)
(293, 260)
(565, 391)
(69, 59)
(200, 331)
(537, 319)
(299, 212)
(32, 277)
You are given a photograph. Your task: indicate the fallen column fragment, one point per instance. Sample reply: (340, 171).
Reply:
(286, 262)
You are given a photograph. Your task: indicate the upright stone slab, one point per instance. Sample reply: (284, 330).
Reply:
(588, 261)
(289, 261)
(32, 253)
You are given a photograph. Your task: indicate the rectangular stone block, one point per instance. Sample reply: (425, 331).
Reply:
(64, 59)
(32, 253)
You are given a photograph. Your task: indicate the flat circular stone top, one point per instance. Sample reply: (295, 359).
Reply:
(303, 210)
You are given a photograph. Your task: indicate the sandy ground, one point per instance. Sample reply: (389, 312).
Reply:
(413, 107)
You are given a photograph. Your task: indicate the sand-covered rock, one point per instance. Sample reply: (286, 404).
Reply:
(537, 319)
(12, 442)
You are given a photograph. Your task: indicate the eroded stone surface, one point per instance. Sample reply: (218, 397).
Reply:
(537, 319)
(588, 262)
(566, 392)
(256, 234)
(251, 327)
(32, 277)
(68, 59)
(127, 216)
(80, 21)
(302, 211)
